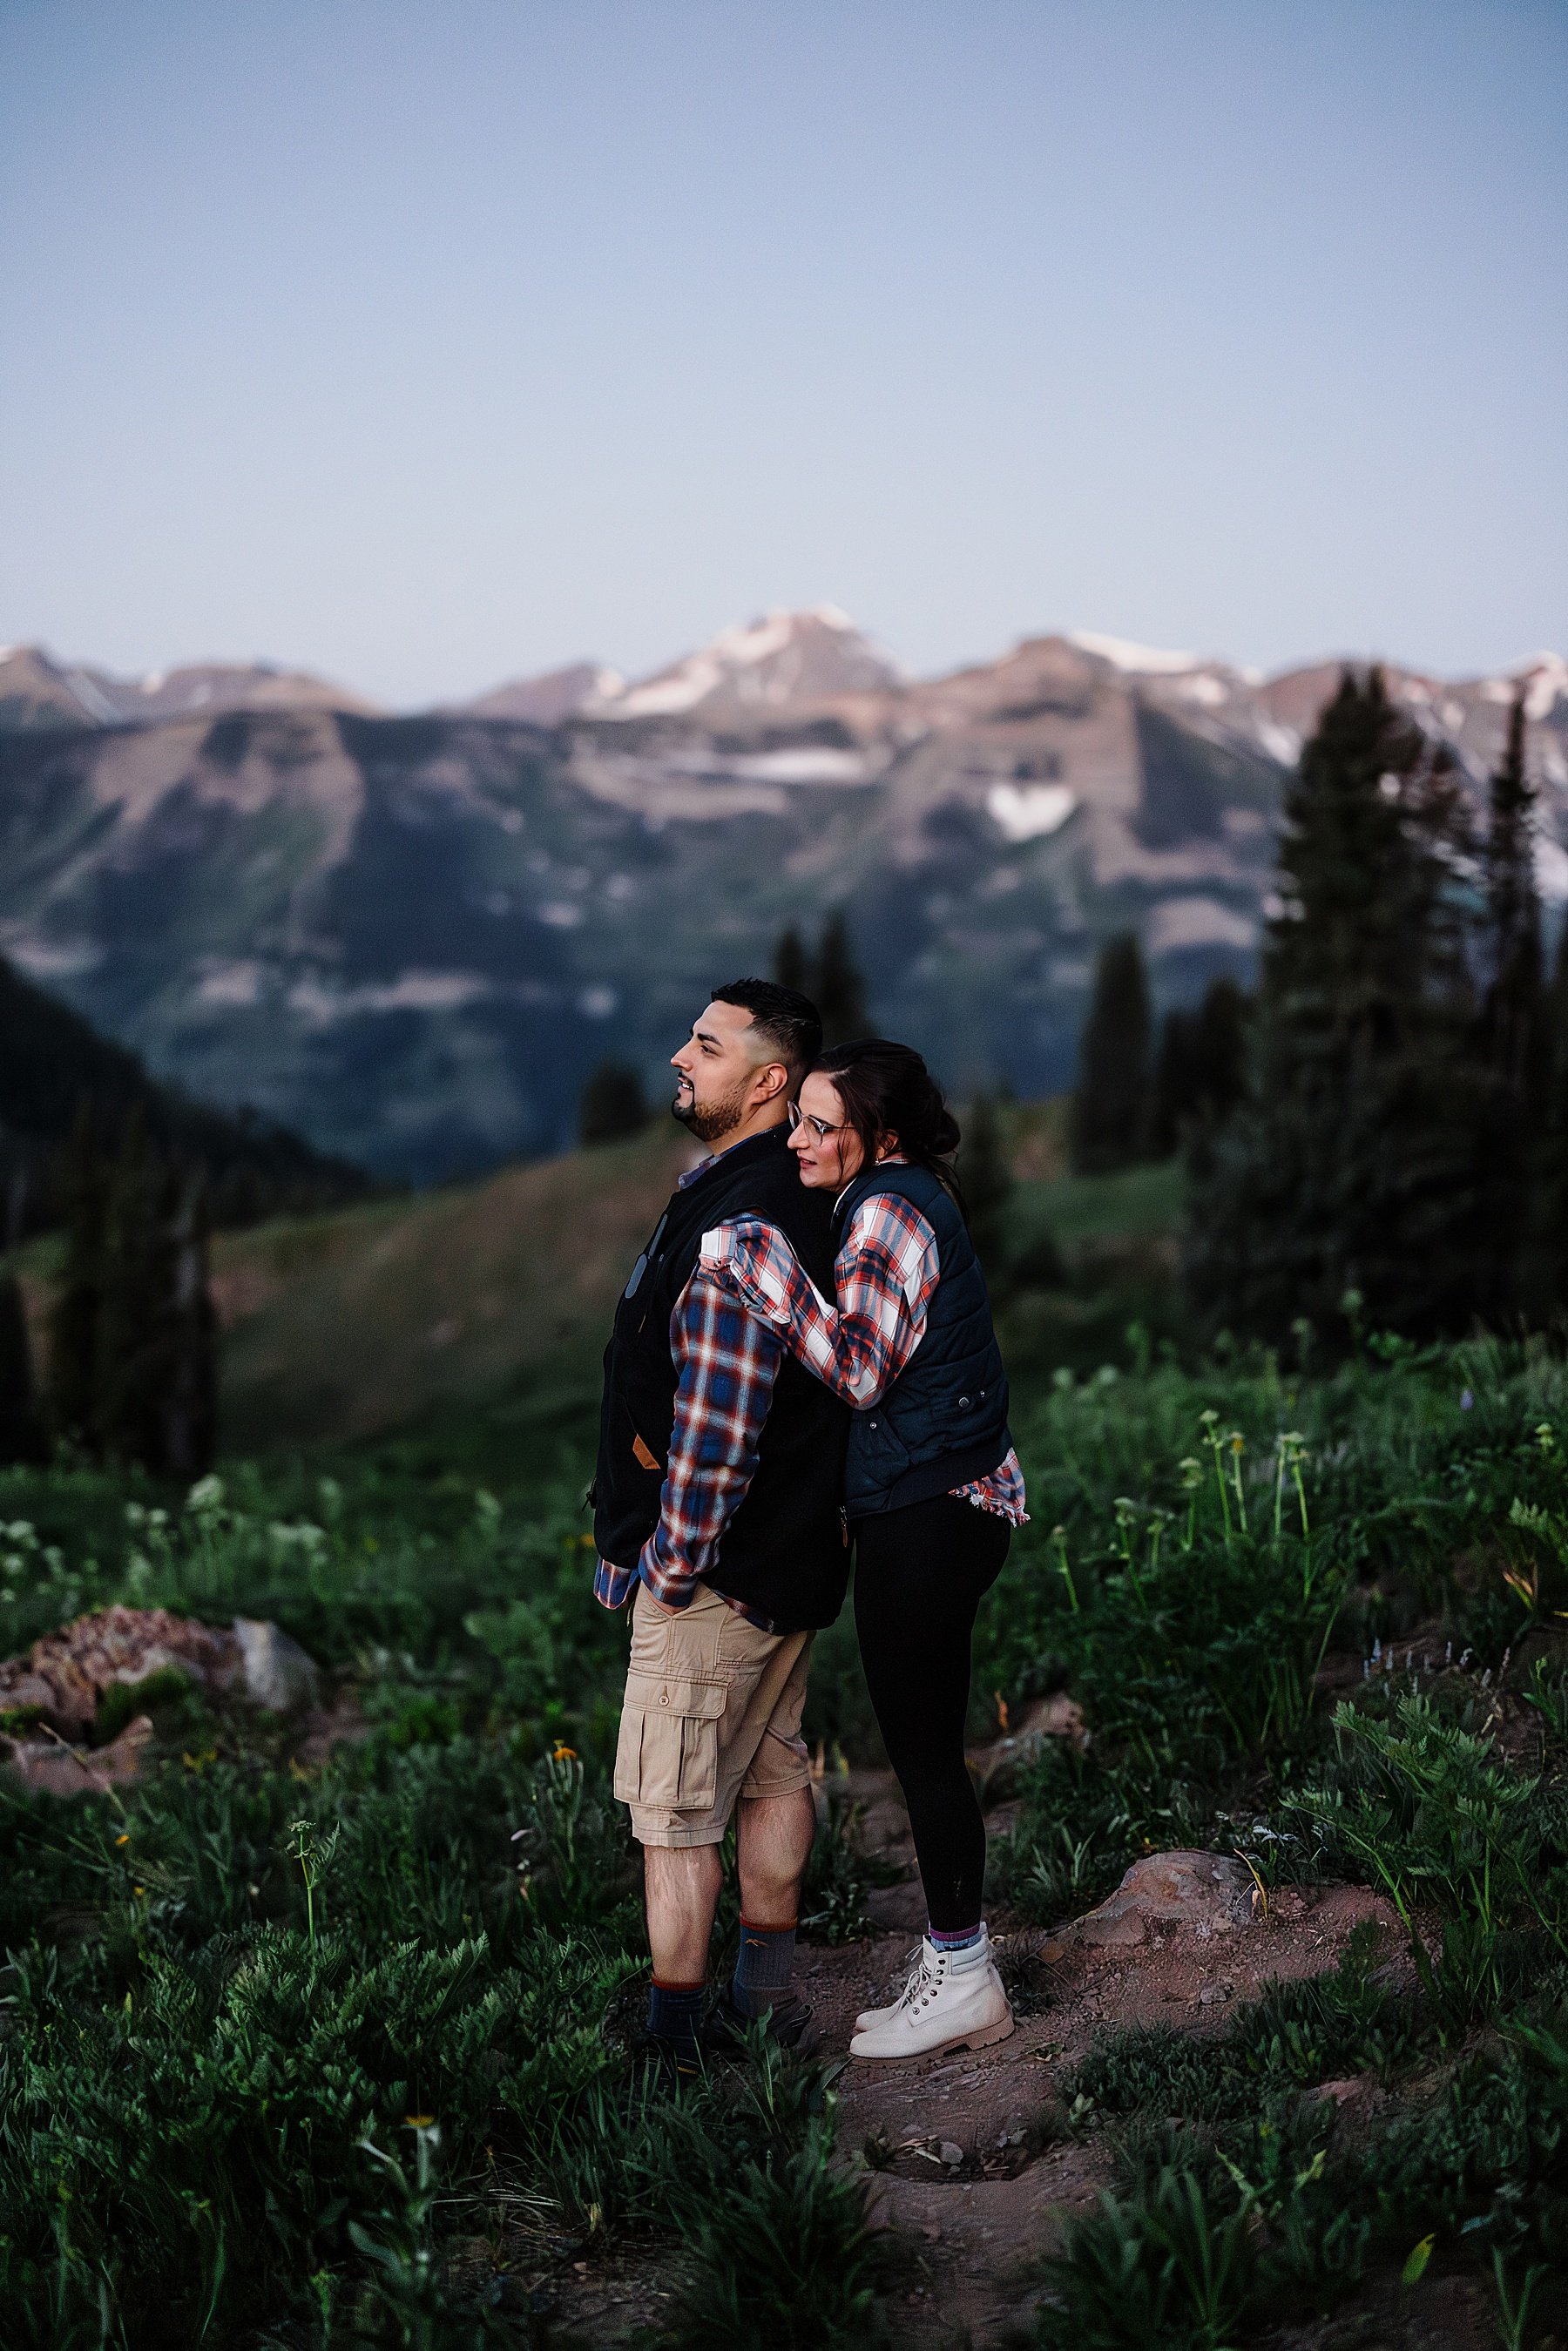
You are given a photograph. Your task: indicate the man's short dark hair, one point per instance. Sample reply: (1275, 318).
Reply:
(790, 1021)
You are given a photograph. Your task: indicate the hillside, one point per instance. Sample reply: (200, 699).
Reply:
(370, 1319)
(348, 1323)
(413, 937)
(52, 1062)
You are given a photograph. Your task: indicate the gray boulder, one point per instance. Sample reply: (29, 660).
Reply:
(279, 1674)
(1206, 1894)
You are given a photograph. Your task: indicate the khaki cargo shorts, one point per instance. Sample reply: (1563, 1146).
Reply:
(712, 1713)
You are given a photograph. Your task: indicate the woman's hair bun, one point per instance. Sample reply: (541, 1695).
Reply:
(886, 1090)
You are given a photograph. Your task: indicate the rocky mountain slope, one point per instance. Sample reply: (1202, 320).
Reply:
(413, 936)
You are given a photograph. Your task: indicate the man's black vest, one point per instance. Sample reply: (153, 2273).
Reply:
(943, 1421)
(783, 1554)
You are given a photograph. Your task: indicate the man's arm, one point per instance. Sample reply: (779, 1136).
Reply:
(726, 1363)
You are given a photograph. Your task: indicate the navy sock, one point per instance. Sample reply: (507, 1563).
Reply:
(763, 1967)
(674, 2013)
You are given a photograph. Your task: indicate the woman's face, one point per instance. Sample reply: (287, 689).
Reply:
(828, 1154)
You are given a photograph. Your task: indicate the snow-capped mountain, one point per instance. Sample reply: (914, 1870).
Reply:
(37, 690)
(413, 939)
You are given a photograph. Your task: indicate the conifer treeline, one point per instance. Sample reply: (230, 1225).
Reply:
(1134, 1100)
(1388, 1116)
(1404, 1126)
(132, 1353)
(831, 978)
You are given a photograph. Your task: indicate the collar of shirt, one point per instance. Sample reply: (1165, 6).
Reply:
(889, 1159)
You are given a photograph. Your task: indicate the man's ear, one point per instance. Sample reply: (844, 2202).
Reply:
(772, 1079)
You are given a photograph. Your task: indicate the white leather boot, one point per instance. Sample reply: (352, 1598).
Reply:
(953, 2000)
(870, 2016)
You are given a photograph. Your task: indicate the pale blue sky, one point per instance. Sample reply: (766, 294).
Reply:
(430, 344)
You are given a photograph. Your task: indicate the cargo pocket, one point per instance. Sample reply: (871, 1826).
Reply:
(668, 1751)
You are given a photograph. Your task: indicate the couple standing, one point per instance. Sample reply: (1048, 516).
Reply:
(802, 1358)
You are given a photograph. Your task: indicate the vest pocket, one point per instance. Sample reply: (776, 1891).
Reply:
(668, 1748)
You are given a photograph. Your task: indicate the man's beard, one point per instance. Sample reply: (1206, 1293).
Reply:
(711, 1121)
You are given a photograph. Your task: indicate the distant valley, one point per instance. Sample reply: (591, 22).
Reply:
(411, 938)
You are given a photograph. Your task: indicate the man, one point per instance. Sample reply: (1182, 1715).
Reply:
(718, 1510)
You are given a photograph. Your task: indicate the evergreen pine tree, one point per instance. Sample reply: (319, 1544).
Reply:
(1200, 1068)
(21, 1427)
(1514, 1041)
(839, 989)
(612, 1105)
(987, 1181)
(1552, 1152)
(138, 1338)
(791, 964)
(187, 1433)
(74, 1323)
(1111, 1105)
(1350, 1164)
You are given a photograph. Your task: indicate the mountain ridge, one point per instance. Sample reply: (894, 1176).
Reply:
(411, 936)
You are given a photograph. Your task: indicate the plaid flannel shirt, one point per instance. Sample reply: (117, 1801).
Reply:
(888, 1266)
(726, 1360)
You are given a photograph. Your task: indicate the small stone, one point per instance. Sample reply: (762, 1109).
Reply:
(951, 2153)
(48, 1767)
(279, 1674)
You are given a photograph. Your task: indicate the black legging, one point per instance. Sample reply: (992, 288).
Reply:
(920, 1576)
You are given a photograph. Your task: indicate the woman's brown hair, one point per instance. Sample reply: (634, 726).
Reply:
(887, 1092)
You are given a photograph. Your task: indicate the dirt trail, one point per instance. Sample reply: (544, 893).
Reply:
(976, 2229)
(980, 2226)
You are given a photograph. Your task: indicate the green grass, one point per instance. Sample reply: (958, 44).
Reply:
(211, 2073)
(1136, 1205)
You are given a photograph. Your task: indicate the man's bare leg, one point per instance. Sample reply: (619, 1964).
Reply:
(775, 1838)
(680, 1889)
(775, 1835)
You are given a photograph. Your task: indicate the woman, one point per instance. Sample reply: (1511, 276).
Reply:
(933, 1487)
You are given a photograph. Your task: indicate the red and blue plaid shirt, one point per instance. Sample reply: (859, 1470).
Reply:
(887, 1268)
(727, 1361)
(747, 1299)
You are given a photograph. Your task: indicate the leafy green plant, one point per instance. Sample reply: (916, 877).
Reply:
(1171, 2267)
(1546, 1689)
(1424, 1811)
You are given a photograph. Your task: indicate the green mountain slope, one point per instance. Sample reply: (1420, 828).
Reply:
(345, 1325)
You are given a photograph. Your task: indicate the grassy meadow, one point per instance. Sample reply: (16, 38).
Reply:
(318, 2043)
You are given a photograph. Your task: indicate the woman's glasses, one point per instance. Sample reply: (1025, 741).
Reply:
(818, 1126)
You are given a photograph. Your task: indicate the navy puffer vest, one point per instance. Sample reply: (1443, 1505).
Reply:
(943, 1421)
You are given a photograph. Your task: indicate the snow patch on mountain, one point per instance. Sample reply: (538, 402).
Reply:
(1031, 812)
(1135, 660)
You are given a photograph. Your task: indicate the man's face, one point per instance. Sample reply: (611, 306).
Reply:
(723, 1073)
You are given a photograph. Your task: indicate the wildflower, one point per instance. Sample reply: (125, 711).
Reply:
(124, 1837)
(563, 1753)
(418, 2122)
(1467, 1400)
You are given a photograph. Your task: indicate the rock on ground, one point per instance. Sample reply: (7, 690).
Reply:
(48, 1767)
(1206, 1893)
(278, 1673)
(63, 1679)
